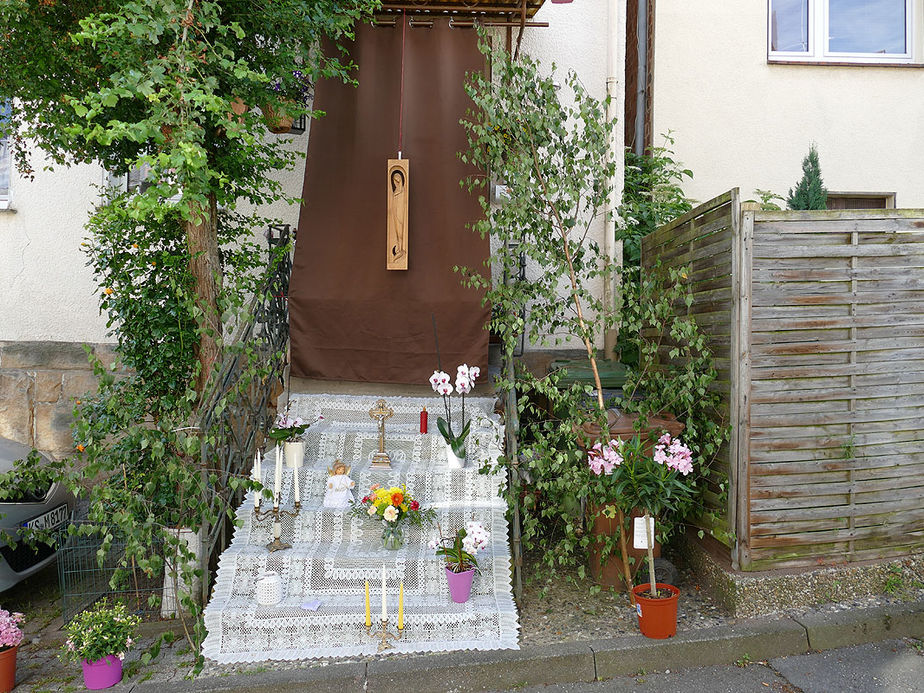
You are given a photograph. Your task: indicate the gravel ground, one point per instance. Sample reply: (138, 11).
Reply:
(558, 611)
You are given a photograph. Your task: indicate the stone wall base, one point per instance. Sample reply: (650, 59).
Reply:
(752, 594)
(39, 383)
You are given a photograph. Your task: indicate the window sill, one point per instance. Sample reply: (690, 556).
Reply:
(6, 208)
(839, 63)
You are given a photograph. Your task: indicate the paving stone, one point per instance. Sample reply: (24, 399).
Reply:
(855, 626)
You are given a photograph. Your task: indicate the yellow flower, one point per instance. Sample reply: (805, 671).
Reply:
(108, 291)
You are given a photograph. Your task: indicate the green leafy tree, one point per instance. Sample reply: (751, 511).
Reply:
(160, 84)
(810, 192)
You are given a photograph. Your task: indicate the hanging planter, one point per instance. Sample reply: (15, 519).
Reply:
(657, 617)
(277, 121)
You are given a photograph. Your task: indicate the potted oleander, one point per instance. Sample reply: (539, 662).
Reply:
(98, 638)
(10, 637)
(459, 553)
(648, 475)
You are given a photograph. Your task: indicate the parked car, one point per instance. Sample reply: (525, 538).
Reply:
(44, 508)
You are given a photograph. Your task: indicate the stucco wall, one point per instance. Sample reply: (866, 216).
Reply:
(739, 121)
(47, 288)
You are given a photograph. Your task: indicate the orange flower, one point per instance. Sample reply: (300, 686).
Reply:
(80, 448)
(397, 498)
(108, 291)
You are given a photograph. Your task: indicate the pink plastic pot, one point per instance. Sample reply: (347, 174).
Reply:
(103, 673)
(460, 585)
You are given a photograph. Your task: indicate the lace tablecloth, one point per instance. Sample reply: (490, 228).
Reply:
(334, 553)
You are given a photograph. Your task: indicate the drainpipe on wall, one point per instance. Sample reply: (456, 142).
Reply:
(641, 95)
(615, 79)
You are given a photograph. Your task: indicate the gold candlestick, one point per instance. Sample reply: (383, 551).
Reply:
(383, 636)
(276, 512)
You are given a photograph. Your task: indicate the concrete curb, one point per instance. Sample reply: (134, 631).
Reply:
(573, 662)
(859, 626)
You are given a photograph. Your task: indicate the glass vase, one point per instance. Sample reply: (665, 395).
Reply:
(392, 537)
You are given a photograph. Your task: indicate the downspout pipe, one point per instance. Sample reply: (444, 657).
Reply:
(641, 94)
(615, 79)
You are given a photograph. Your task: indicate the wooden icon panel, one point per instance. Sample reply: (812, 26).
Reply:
(397, 226)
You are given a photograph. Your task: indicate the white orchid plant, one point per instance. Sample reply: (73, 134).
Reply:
(442, 385)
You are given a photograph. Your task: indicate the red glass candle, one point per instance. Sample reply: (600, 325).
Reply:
(423, 420)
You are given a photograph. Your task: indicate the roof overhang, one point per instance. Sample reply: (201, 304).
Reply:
(491, 11)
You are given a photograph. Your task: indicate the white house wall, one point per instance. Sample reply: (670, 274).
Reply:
(739, 121)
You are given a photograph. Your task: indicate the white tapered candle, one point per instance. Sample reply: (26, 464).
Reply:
(277, 482)
(258, 475)
(384, 603)
(298, 497)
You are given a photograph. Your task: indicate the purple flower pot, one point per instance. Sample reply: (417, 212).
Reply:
(103, 673)
(460, 585)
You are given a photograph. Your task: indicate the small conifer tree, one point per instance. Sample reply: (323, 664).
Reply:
(810, 192)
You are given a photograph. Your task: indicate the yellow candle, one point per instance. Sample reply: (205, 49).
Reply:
(368, 613)
(401, 606)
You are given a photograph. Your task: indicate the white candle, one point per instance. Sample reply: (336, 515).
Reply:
(298, 497)
(277, 482)
(277, 529)
(258, 475)
(384, 604)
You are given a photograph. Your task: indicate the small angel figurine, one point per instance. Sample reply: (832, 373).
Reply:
(338, 495)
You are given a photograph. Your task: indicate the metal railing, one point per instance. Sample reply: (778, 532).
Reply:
(236, 415)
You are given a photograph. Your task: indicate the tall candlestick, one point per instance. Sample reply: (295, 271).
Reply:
(401, 606)
(277, 482)
(368, 612)
(258, 475)
(384, 604)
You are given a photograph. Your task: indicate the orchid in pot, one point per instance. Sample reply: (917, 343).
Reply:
(639, 474)
(441, 383)
(10, 637)
(459, 552)
(290, 431)
(98, 638)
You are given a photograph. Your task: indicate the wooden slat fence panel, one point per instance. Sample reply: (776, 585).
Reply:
(817, 323)
(837, 413)
(703, 240)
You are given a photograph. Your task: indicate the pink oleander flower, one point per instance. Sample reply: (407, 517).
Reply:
(603, 459)
(10, 632)
(673, 454)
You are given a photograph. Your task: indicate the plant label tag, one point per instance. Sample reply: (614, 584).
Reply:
(640, 534)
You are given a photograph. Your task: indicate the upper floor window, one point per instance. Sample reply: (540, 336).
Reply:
(859, 31)
(4, 158)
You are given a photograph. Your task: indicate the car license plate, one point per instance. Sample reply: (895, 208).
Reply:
(49, 520)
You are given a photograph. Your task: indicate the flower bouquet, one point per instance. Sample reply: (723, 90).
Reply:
(459, 552)
(465, 383)
(393, 507)
(10, 637)
(98, 638)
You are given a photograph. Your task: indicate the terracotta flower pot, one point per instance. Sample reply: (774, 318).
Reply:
(8, 669)
(103, 673)
(657, 618)
(610, 572)
(278, 122)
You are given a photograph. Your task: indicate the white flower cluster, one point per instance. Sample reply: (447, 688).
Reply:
(476, 538)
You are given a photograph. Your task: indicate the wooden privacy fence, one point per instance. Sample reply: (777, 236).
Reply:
(816, 320)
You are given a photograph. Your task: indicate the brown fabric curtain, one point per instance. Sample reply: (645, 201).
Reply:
(351, 319)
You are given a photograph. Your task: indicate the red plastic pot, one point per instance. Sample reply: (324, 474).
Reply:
(657, 618)
(460, 585)
(8, 669)
(103, 673)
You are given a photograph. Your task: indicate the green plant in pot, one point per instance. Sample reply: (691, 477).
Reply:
(99, 638)
(459, 552)
(650, 475)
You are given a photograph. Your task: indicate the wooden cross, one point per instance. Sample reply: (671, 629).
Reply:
(380, 412)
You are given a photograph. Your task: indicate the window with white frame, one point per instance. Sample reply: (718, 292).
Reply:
(4, 158)
(859, 31)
